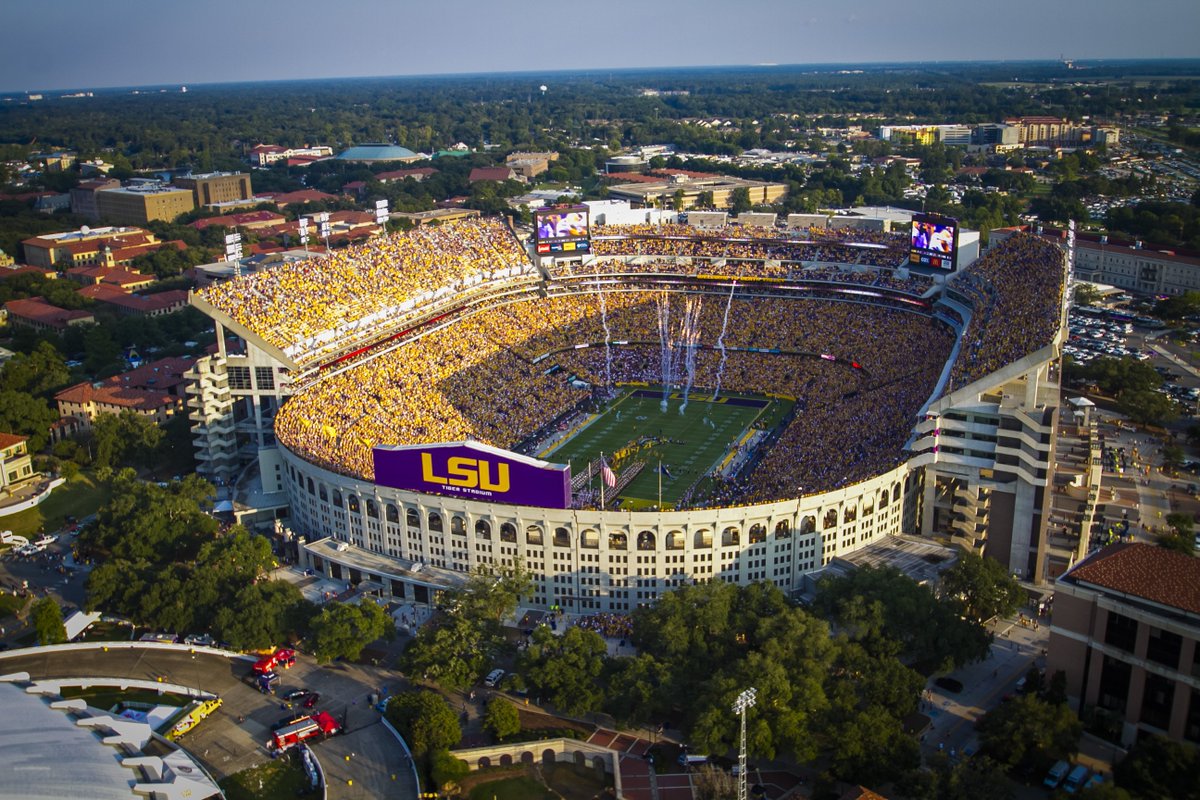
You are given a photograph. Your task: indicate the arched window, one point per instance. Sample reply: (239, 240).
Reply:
(393, 513)
(533, 535)
(850, 514)
(645, 541)
(337, 498)
(352, 503)
(617, 540)
(830, 519)
(321, 493)
(868, 507)
(372, 510)
(562, 537)
(783, 529)
(896, 492)
(883, 499)
(508, 532)
(458, 526)
(808, 524)
(675, 540)
(311, 489)
(435, 522)
(702, 538)
(590, 539)
(731, 537)
(758, 533)
(483, 529)
(412, 518)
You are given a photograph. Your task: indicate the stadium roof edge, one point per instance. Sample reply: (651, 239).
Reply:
(992, 380)
(216, 314)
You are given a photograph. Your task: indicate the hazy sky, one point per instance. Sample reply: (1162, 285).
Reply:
(96, 43)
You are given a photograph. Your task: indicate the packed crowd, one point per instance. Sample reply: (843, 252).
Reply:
(299, 307)
(492, 377)
(612, 626)
(838, 245)
(1016, 293)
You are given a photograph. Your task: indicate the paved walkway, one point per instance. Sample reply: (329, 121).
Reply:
(1014, 650)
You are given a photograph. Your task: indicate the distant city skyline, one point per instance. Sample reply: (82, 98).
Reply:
(92, 44)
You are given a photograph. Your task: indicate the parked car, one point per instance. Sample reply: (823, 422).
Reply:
(311, 700)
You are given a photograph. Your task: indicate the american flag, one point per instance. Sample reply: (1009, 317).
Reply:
(610, 478)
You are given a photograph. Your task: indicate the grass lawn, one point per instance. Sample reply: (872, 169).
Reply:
(105, 697)
(78, 498)
(519, 788)
(281, 779)
(573, 784)
(106, 632)
(689, 444)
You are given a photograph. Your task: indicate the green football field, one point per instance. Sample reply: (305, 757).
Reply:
(634, 428)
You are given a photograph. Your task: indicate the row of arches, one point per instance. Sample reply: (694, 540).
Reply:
(645, 540)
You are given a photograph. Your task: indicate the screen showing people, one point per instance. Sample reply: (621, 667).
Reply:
(934, 242)
(562, 230)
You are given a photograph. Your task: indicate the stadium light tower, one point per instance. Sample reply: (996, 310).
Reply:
(741, 705)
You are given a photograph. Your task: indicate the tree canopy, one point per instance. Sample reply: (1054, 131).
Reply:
(342, 630)
(425, 720)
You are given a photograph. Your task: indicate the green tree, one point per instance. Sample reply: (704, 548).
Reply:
(445, 769)
(1147, 407)
(1029, 732)
(1087, 294)
(565, 669)
(739, 200)
(888, 613)
(1160, 767)
(101, 352)
(982, 587)
(125, 439)
(342, 630)
(425, 720)
(459, 647)
(39, 372)
(48, 621)
(26, 415)
(502, 719)
(262, 615)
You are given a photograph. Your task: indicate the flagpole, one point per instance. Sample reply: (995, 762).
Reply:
(660, 484)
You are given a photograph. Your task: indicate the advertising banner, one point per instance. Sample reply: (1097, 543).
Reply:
(474, 471)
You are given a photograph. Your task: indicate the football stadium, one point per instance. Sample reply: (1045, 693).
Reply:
(623, 409)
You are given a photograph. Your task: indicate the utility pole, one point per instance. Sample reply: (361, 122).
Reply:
(741, 705)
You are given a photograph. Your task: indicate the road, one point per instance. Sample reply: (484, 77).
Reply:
(1015, 649)
(233, 738)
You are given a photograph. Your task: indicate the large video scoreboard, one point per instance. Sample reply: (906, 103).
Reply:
(562, 231)
(934, 242)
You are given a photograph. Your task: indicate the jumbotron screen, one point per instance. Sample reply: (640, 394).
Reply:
(562, 230)
(934, 242)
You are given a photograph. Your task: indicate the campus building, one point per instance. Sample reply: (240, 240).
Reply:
(217, 188)
(1126, 633)
(693, 187)
(142, 203)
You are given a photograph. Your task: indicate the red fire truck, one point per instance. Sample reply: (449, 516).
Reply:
(318, 725)
(283, 657)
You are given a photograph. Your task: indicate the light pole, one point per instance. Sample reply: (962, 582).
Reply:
(743, 703)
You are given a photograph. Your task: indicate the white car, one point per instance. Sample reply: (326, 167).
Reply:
(493, 678)
(45, 540)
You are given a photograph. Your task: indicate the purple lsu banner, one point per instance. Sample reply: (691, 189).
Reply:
(474, 471)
